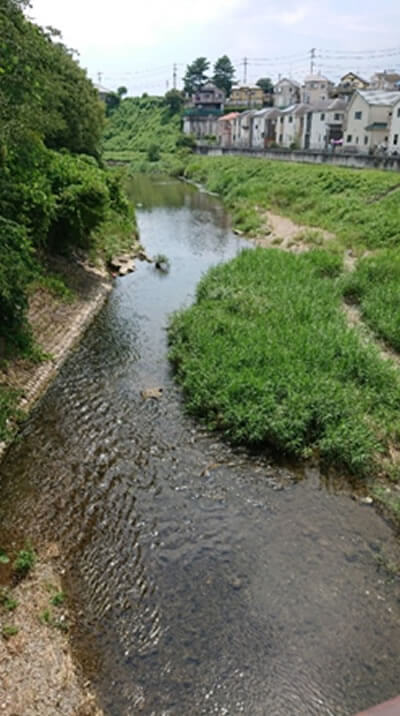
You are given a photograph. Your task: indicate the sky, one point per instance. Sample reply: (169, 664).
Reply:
(135, 44)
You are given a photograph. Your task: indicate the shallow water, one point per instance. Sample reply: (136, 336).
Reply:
(204, 581)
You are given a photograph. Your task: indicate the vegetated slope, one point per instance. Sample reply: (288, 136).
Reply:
(54, 194)
(361, 207)
(265, 355)
(139, 123)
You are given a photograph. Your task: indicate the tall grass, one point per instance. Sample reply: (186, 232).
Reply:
(361, 207)
(265, 356)
(375, 285)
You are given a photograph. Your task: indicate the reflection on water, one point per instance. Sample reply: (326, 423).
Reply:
(205, 582)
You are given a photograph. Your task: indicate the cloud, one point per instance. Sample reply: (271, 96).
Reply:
(293, 17)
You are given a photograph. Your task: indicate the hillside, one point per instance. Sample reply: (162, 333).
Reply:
(139, 123)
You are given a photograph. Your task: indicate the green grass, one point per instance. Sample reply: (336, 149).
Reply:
(140, 122)
(9, 413)
(361, 207)
(375, 286)
(266, 357)
(25, 561)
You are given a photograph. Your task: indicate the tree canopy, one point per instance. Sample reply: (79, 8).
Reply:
(196, 75)
(224, 73)
(266, 85)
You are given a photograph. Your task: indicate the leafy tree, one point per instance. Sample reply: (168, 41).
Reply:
(174, 101)
(266, 85)
(224, 73)
(121, 92)
(196, 75)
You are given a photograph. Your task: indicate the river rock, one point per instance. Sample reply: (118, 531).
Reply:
(155, 393)
(124, 264)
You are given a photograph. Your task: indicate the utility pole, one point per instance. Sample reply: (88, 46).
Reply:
(99, 77)
(174, 76)
(245, 63)
(312, 60)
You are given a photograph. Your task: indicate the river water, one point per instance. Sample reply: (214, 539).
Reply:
(204, 581)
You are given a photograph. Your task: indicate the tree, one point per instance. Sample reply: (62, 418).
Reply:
(196, 75)
(174, 101)
(121, 92)
(224, 73)
(266, 85)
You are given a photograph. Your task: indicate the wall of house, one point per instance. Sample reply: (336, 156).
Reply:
(394, 137)
(318, 130)
(285, 94)
(200, 126)
(315, 93)
(291, 129)
(355, 134)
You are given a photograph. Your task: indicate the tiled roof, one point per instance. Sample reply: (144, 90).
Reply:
(387, 99)
(231, 115)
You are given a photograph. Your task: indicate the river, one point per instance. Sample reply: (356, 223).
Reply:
(204, 580)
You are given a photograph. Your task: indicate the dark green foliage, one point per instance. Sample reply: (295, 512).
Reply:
(174, 101)
(153, 153)
(266, 85)
(196, 75)
(224, 73)
(360, 207)
(375, 285)
(265, 355)
(16, 271)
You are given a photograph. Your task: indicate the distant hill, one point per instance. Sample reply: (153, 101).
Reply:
(140, 122)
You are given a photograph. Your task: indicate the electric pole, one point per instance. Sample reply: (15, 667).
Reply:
(312, 60)
(174, 76)
(245, 63)
(99, 77)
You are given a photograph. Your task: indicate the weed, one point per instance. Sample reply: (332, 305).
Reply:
(25, 560)
(7, 601)
(4, 559)
(8, 631)
(58, 599)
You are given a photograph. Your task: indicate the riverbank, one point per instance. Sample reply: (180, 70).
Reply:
(57, 324)
(37, 671)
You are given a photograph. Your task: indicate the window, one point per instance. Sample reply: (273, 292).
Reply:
(322, 86)
(398, 112)
(366, 139)
(357, 115)
(356, 140)
(349, 138)
(337, 117)
(396, 139)
(280, 138)
(323, 97)
(290, 119)
(322, 117)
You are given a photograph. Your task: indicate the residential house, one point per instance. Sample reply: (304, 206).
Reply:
(323, 126)
(103, 92)
(290, 127)
(394, 136)
(246, 96)
(243, 128)
(316, 90)
(388, 80)
(286, 93)
(368, 119)
(264, 127)
(226, 129)
(200, 118)
(349, 83)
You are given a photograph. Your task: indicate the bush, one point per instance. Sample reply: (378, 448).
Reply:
(16, 271)
(153, 153)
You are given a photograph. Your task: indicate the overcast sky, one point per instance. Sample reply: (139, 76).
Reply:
(136, 43)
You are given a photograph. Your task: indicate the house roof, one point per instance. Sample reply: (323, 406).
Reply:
(299, 109)
(389, 76)
(353, 74)
(226, 117)
(266, 111)
(101, 89)
(340, 105)
(246, 87)
(286, 79)
(379, 97)
(316, 78)
(209, 87)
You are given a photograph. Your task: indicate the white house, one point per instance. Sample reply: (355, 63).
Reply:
(394, 136)
(316, 90)
(242, 129)
(324, 125)
(264, 127)
(286, 93)
(291, 125)
(369, 118)
(388, 80)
